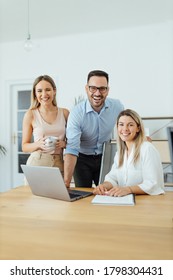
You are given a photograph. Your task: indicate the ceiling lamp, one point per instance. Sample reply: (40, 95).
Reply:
(28, 43)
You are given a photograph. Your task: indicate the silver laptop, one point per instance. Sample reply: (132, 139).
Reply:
(48, 182)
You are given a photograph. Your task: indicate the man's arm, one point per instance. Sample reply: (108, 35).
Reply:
(69, 165)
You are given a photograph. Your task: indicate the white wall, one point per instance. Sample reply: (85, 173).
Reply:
(139, 61)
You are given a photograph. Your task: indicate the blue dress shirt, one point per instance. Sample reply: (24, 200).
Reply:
(87, 130)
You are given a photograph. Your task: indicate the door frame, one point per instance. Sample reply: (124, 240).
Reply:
(12, 88)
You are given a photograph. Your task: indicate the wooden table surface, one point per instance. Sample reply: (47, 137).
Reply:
(38, 228)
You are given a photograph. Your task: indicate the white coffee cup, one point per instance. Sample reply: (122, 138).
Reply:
(51, 141)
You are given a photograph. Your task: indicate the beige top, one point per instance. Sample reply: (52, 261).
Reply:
(43, 129)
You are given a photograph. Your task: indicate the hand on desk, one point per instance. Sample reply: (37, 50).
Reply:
(100, 189)
(118, 191)
(108, 189)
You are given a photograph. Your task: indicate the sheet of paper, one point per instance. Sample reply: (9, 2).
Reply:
(112, 200)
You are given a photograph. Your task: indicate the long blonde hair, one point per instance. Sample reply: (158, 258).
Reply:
(139, 139)
(34, 102)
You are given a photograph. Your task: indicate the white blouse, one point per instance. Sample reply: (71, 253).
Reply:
(147, 173)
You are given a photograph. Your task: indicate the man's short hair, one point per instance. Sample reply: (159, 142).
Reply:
(99, 73)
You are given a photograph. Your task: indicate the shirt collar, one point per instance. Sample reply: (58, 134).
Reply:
(90, 109)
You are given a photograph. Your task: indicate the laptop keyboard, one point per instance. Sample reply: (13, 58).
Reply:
(75, 193)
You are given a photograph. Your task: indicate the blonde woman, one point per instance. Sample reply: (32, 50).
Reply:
(46, 122)
(137, 165)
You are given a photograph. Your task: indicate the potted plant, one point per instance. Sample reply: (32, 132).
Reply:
(3, 150)
(78, 99)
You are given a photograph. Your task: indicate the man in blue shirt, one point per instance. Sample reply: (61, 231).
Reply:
(89, 125)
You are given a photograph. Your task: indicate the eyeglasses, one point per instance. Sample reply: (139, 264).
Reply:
(93, 89)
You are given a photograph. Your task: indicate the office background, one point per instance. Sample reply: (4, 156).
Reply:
(130, 39)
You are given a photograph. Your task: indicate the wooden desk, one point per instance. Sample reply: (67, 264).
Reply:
(34, 227)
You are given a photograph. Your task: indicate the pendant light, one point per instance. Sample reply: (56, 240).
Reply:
(28, 42)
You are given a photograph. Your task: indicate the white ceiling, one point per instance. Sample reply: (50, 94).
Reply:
(51, 18)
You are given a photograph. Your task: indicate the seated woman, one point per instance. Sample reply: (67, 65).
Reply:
(137, 165)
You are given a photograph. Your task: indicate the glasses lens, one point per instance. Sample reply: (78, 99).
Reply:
(103, 89)
(93, 89)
